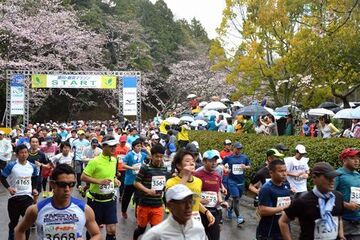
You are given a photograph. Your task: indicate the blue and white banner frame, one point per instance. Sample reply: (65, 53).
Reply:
(130, 96)
(17, 94)
(23, 77)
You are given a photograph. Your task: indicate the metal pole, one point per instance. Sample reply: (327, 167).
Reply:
(8, 99)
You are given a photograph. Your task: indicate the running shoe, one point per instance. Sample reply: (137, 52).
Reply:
(44, 194)
(240, 220)
(50, 194)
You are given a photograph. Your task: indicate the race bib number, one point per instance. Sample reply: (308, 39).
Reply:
(282, 202)
(158, 183)
(137, 165)
(196, 217)
(237, 170)
(321, 233)
(60, 232)
(355, 195)
(23, 184)
(211, 197)
(106, 189)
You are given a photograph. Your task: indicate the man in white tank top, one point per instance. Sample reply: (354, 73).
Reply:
(61, 216)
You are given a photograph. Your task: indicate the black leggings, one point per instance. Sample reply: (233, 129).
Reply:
(17, 207)
(128, 192)
(44, 183)
(212, 232)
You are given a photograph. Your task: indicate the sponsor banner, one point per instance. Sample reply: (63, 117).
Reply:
(73, 81)
(17, 94)
(129, 95)
(17, 80)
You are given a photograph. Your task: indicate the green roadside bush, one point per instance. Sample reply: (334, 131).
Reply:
(255, 146)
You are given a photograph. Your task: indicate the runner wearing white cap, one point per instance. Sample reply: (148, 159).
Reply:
(180, 224)
(298, 170)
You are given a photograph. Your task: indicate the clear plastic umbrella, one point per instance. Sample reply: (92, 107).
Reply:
(187, 118)
(211, 113)
(215, 106)
(237, 104)
(252, 110)
(356, 113)
(173, 120)
(197, 123)
(320, 112)
(191, 96)
(226, 115)
(344, 114)
(203, 104)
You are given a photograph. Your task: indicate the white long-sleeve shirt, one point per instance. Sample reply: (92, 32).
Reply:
(171, 229)
(5, 149)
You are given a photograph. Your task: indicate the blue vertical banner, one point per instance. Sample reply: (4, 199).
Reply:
(129, 95)
(17, 94)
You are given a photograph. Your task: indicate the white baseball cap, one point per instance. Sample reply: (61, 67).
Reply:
(301, 149)
(155, 137)
(196, 144)
(178, 192)
(111, 142)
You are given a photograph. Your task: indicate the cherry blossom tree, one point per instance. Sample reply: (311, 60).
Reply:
(193, 75)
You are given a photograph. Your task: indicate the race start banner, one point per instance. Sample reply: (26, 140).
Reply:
(73, 81)
(129, 95)
(17, 94)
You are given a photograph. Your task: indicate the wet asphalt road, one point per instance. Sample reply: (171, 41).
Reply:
(125, 228)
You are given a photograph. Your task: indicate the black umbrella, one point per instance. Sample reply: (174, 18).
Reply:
(328, 105)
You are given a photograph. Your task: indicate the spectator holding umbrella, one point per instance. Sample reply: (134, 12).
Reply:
(327, 129)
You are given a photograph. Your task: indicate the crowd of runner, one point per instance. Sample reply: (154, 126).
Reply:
(178, 192)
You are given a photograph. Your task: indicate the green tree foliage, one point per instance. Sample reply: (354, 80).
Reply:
(291, 50)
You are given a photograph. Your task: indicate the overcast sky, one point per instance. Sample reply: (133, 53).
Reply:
(208, 12)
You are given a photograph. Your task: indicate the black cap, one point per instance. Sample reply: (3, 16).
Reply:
(324, 168)
(94, 141)
(191, 148)
(281, 147)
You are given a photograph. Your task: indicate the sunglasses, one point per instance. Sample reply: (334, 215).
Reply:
(64, 184)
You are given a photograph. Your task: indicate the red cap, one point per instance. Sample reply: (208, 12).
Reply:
(349, 152)
(123, 138)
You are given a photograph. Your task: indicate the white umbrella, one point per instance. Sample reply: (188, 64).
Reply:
(173, 120)
(191, 96)
(224, 100)
(237, 104)
(226, 115)
(356, 113)
(196, 123)
(344, 114)
(215, 106)
(203, 104)
(320, 112)
(211, 113)
(187, 118)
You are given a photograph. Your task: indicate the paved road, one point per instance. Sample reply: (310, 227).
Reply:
(126, 228)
